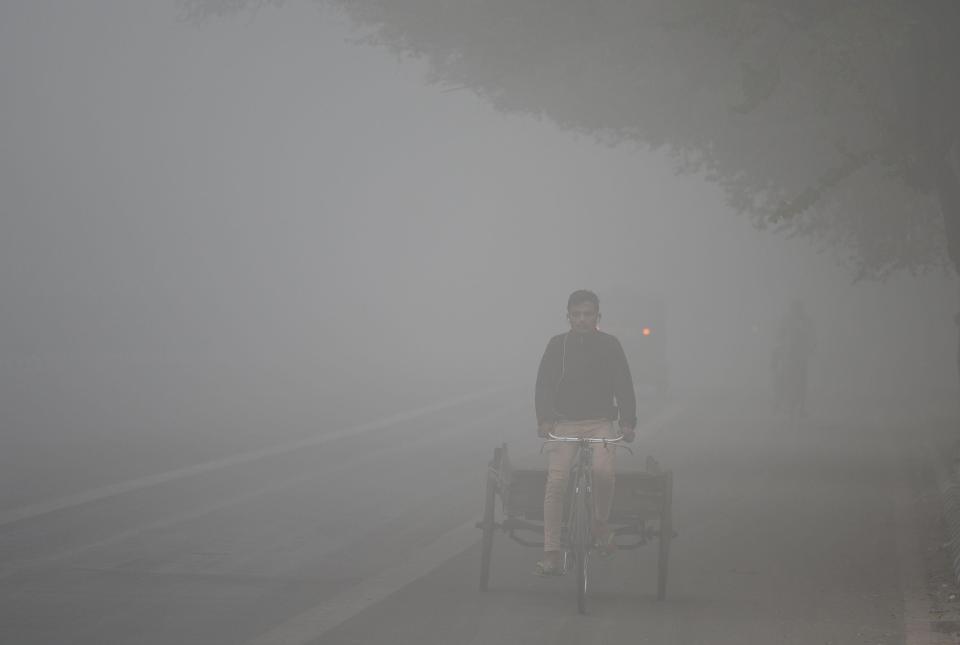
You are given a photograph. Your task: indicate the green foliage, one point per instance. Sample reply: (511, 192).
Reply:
(802, 110)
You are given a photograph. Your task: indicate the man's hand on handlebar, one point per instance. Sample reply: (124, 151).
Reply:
(629, 434)
(544, 429)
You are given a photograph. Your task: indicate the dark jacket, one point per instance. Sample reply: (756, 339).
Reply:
(585, 376)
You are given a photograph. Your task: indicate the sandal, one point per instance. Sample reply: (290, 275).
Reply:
(545, 568)
(606, 548)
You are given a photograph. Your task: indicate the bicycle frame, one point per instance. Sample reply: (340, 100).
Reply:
(581, 472)
(578, 539)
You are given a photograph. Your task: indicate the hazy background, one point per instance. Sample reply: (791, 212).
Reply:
(253, 223)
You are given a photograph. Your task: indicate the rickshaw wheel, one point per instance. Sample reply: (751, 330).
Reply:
(488, 524)
(666, 535)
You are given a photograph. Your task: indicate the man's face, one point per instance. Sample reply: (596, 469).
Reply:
(583, 316)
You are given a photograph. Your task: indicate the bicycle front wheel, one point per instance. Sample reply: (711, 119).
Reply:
(582, 557)
(581, 526)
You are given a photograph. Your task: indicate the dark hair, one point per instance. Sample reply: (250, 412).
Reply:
(582, 295)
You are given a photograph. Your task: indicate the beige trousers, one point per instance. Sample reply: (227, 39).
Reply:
(559, 458)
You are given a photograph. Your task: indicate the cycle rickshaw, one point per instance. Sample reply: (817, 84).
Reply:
(641, 511)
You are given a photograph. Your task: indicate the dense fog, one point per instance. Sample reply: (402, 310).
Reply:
(217, 224)
(274, 296)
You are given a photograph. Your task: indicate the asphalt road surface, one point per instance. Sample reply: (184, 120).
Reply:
(363, 534)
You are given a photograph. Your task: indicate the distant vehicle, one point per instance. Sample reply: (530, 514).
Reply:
(640, 324)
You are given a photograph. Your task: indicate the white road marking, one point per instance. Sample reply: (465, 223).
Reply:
(51, 506)
(12, 568)
(313, 623)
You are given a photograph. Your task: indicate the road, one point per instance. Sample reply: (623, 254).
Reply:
(363, 534)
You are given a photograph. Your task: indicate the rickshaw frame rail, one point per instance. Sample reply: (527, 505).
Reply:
(642, 510)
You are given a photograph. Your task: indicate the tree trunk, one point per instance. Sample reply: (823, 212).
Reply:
(934, 113)
(948, 191)
(947, 173)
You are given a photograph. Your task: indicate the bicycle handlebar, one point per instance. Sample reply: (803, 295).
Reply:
(605, 441)
(554, 437)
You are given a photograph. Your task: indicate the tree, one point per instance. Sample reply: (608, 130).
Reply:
(831, 118)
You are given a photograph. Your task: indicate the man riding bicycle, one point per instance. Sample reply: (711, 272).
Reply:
(583, 387)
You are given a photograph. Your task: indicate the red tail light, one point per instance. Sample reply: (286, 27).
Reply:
(646, 331)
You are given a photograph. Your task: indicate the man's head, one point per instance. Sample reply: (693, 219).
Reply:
(583, 310)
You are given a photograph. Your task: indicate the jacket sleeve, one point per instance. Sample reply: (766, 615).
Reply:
(623, 387)
(546, 390)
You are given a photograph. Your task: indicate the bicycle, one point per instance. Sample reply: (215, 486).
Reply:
(641, 511)
(577, 530)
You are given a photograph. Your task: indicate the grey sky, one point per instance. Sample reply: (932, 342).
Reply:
(257, 195)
